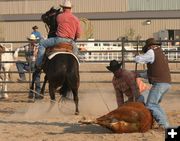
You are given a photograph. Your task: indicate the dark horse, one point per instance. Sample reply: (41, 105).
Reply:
(63, 69)
(49, 18)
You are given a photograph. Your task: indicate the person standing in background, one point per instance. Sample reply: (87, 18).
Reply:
(159, 77)
(36, 32)
(30, 51)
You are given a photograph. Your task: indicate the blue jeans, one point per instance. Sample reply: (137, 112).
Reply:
(155, 96)
(37, 85)
(143, 97)
(50, 42)
(22, 67)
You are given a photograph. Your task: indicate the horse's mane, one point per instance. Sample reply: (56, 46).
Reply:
(49, 18)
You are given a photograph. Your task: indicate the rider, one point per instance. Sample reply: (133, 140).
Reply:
(68, 31)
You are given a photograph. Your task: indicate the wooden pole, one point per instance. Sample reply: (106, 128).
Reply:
(122, 51)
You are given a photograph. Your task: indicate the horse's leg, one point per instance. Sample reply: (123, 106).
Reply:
(64, 89)
(73, 82)
(10, 74)
(5, 95)
(52, 96)
(52, 91)
(44, 85)
(76, 100)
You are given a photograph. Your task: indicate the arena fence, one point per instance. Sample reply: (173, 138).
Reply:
(127, 51)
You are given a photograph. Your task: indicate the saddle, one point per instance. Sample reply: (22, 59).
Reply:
(61, 47)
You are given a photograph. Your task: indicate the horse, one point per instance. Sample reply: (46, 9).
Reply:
(5, 55)
(49, 18)
(62, 70)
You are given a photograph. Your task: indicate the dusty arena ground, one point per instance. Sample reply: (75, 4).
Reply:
(25, 120)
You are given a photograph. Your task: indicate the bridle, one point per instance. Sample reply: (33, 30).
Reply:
(49, 18)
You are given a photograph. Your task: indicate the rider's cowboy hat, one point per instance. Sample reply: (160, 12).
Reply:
(32, 37)
(35, 27)
(114, 65)
(66, 4)
(149, 42)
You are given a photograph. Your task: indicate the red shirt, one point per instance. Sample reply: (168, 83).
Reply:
(68, 25)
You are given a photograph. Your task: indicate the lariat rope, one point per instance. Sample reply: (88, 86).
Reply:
(100, 93)
(134, 96)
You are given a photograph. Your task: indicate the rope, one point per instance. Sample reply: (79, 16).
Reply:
(32, 90)
(134, 96)
(100, 94)
(102, 97)
(52, 104)
(54, 101)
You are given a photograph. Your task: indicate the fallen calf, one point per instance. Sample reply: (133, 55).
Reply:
(128, 118)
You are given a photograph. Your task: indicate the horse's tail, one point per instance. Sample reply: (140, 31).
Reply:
(65, 89)
(71, 79)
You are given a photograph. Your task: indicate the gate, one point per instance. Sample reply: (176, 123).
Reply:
(94, 62)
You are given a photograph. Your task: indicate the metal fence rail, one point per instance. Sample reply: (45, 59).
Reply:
(123, 55)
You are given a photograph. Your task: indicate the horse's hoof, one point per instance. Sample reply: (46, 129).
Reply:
(39, 97)
(76, 113)
(5, 96)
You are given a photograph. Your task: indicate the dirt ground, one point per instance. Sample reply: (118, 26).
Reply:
(22, 119)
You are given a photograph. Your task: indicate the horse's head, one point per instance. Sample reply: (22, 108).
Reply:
(50, 19)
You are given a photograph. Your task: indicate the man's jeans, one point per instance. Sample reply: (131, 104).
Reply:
(156, 94)
(37, 85)
(143, 96)
(22, 67)
(51, 42)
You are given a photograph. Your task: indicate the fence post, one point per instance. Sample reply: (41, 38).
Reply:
(122, 51)
(137, 50)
